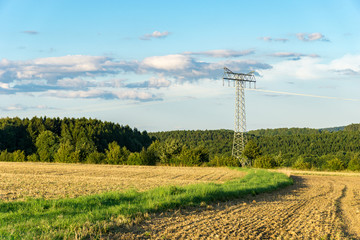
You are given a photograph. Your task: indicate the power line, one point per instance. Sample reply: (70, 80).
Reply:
(304, 95)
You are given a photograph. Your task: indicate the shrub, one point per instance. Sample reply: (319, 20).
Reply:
(135, 159)
(354, 163)
(334, 164)
(18, 156)
(265, 161)
(302, 164)
(191, 157)
(221, 160)
(95, 157)
(149, 156)
(33, 158)
(5, 156)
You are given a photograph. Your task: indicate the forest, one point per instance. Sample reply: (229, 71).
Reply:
(302, 148)
(84, 140)
(69, 140)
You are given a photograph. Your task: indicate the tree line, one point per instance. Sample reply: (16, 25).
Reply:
(301, 148)
(84, 140)
(65, 140)
(71, 140)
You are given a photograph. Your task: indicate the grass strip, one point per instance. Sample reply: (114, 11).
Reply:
(91, 216)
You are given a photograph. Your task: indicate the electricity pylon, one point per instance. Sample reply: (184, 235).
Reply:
(240, 80)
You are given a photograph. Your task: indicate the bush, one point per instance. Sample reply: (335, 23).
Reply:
(265, 161)
(95, 158)
(221, 160)
(191, 157)
(354, 163)
(18, 156)
(334, 164)
(5, 156)
(302, 163)
(33, 158)
(149, 156)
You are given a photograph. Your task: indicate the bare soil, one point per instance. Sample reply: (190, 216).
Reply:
(53, 180)
(315, 207)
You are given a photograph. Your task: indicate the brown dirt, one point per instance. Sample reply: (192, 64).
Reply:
(52, 180)
(315, 207)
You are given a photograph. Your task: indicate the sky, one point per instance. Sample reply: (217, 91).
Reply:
(158, 65)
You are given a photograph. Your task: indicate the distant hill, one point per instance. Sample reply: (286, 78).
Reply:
(333, 129)
(291, 141)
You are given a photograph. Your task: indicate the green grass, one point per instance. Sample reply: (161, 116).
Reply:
(91, 216)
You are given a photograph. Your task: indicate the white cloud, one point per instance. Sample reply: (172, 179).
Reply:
(155, 34)
(346, 62)
(311, 37)
(310, 68)
(4, 85)
(168, 62)
(222, 53)
(158, 82)
(54, 68)
(82, 76)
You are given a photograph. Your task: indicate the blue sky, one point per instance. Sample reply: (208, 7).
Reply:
(157, 65)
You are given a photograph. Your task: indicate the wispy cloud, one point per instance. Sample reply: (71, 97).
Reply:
(31, 32)
(310, 37)
(270, 39)
(20, 107)
(154, 82)
(155, 34)
(97, 93)
(222, 53)
(293, 55)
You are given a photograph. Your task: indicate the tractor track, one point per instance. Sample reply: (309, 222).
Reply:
(315, 207)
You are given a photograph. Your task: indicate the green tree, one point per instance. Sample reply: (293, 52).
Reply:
(251, 150)
(116, 155)
(170, 150)
(65, 152)
(47, 145)
(354, 163)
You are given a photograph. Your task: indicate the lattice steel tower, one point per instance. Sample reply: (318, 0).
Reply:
(240, 80)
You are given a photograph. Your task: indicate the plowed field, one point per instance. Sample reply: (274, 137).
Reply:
(315, 207)
(19, 180)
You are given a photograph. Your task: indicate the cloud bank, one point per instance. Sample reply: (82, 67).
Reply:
(83, 76)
